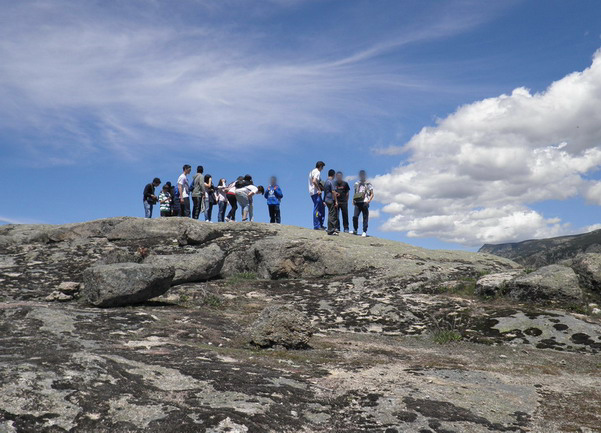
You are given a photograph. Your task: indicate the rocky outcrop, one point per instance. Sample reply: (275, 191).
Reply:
(496, 284)
(588, 268)
(379, 313)
(549, 283)
(542, 252)
(125, 283)
(190, 268)
(281, 326)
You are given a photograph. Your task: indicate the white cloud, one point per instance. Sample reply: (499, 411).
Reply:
(471, 178)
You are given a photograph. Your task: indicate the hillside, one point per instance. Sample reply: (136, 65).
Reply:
(174, 325)
(541, 252)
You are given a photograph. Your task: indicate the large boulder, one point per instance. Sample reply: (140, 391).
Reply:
(123, 284)
(495, 284)
(190, 268)
(549, 283)
(281, 326)
(588, 268)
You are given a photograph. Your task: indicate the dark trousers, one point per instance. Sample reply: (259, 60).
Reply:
(343, 208)
(185, 207)
(274, 213)
(332, 217)
(197, 201)
(231, 198)
(361, 208)
(165, 213)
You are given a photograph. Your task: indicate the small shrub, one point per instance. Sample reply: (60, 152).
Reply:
(213, 301)
(184, 299)
(242, 277)
(445, 336)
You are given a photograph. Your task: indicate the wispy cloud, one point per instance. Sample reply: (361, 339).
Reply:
(122, 77)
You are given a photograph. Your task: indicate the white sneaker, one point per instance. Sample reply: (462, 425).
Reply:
(364, 235)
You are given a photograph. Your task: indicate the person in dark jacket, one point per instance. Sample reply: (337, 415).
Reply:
(342, 189)
(150, 199)
(274, 195)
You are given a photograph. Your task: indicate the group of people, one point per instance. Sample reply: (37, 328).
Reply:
(334, 192)
(187, 199)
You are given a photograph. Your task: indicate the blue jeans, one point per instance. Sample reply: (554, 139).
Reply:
(319, 211)
(221, 213)
(147, 209)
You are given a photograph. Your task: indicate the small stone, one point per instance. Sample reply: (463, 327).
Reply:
(281, 326)
(68, 287)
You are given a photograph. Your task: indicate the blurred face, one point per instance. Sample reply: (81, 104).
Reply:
(362, 176)
(273, 181)
(339, 176)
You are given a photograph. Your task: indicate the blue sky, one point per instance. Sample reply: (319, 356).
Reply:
(97, 98)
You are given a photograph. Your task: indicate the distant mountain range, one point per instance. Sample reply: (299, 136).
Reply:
(541, 252)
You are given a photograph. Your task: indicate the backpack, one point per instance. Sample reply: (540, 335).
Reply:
(359, 196)
(192, 184)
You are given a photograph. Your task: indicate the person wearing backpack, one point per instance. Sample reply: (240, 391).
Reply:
(175, 203)
(315, 191)
(150, 199)
(198, 192)
(364, 194)
(274, 195)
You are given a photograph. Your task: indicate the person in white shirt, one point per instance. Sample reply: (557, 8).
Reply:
(184, 191)
(315, 191)
(244, 197)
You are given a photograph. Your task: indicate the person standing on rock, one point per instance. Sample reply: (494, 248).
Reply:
(364, 194)
(231, 198)
(209, 197)
(221, 199)
(274, 195)
(342, 190)
(244, 195)
(184, 191)
(198, 192)
(150, 199)
(331, 199)
(165, 201)
(315, 191)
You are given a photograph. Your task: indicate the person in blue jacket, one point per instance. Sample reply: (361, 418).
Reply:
(273, 194)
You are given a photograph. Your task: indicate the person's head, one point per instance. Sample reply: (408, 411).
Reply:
(320, 165)
(248, 178)
(222, 182)
(156, 181)
(200, 169)
(187, 169)
(261, 190)
(208, 177)
(167, 188)
(331, 173)
(362, 175)
(339, 176)
(168, 183)
(273, 181)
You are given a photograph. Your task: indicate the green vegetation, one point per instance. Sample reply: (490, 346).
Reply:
(445, 336)
(465, 287)
(184, 299)
(242, 277)
(213, 301)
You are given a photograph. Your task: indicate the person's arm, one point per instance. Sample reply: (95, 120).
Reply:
(180, 188)
(278, 193)
(371, 195)
(316, 183)
(266, 194)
